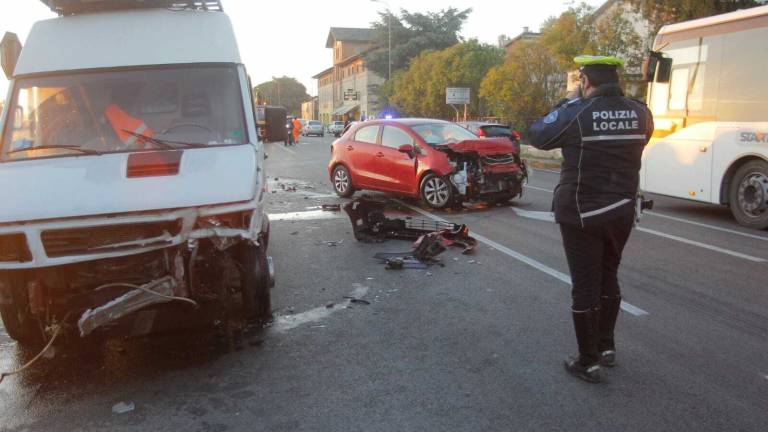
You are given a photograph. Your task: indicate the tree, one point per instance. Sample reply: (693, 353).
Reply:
(569, 35)
(284, 91)
(616, 36)
(525, 86)
(420, 90)
(413, 33)
(661, 12)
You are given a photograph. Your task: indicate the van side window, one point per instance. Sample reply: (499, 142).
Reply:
(367, 134)
(394, 137)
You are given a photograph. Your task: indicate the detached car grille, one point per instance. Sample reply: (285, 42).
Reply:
(110, 238)
(13, 248)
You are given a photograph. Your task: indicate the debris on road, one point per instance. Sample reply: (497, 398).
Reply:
(331, 207)
(369, 224)
(122, 407)
(330, 243)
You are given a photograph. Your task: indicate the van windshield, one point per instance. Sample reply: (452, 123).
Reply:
(124, 111)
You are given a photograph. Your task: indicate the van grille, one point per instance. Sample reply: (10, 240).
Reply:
(78, 241)
(13, 248)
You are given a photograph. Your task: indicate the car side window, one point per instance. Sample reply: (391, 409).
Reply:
(394, 137)
(367, 134)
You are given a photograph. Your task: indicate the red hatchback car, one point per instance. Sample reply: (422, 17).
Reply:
(438, 161)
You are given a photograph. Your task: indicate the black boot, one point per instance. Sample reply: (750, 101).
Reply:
(586, 365)
(609, 311)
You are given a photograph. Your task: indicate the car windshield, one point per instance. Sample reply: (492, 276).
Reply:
(443, 133)
(119, 111)
(314, 123)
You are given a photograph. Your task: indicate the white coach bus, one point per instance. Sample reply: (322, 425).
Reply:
(708, 92)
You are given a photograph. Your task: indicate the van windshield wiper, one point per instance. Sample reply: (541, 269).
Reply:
(48, 147)
(165, 144)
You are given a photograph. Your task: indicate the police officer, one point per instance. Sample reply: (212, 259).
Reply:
(602, 135)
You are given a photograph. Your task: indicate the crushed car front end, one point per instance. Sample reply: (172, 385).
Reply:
(486, 170)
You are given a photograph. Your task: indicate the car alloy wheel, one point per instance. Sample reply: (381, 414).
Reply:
(436, 191)
(341, 182)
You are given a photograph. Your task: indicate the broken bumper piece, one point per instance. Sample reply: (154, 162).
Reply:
(369, 224)
(132, 301)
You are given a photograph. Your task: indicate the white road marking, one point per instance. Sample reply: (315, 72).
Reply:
(538, 215)
(702, 245)
(634, 310)
(288, 322)
(305, 215)
(546, 170)
(670, 236)
(539, 188)
(712, 227)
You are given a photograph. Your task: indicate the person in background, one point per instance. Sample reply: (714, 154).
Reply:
(296, 130)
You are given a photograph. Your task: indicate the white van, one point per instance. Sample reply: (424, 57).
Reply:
(709, 97)
(130, 169)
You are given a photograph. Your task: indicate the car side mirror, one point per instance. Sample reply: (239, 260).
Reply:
(407, 148)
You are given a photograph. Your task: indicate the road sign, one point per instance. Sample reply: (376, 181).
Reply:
(457, 95)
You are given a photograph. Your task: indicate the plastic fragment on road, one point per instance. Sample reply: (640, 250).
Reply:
(122, 407)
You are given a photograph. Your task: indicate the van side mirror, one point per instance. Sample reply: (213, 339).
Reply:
(665, 70)
(10, 49)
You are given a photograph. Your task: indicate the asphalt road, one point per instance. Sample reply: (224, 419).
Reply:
(475, 345)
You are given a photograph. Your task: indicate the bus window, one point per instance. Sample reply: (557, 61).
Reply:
(743, 92)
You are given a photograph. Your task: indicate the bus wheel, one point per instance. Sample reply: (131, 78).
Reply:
(749, 195)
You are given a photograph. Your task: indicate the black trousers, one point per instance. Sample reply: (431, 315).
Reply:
(594, 255)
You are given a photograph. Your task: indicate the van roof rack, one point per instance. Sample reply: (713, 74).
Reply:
(74, 7)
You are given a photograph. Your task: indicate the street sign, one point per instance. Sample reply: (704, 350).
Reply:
(351, 95)
(457, 95)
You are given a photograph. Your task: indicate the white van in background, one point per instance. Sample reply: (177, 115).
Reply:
(130, 168)
(709, 96)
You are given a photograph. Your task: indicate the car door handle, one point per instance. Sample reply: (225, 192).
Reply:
(350, 148)
(379, 154)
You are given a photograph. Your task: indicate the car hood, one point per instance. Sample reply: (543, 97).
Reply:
(484, 147)
(95, 185)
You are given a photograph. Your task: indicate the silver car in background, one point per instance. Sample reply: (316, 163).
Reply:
(313, 127)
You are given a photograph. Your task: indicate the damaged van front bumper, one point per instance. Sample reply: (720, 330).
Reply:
(68, 241)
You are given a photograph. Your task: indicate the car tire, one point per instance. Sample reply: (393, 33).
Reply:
(436, 191)
(322, 135)
(342, 182)
(20, 325)
(748, 195)
(255, 282)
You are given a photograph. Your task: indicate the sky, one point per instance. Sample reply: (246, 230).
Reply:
(288, 38)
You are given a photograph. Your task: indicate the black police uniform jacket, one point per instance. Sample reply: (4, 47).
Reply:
(602, 139)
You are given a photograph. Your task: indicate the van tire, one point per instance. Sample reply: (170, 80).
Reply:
(20, 325)
(748, 195)
(255, 283)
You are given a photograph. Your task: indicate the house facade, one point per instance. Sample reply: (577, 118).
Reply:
(347, 90)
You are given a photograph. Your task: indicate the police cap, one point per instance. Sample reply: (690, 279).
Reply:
(597, 62)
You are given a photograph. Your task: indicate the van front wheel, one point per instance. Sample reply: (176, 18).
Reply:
(748, 195)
